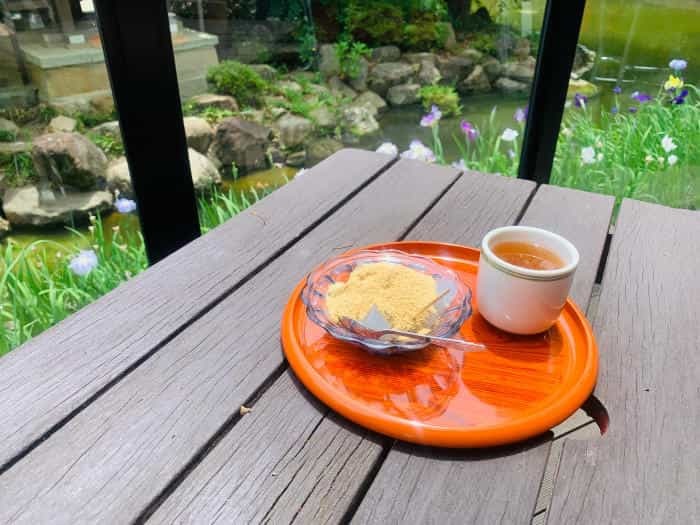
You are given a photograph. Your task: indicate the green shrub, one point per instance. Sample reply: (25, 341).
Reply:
(111, 145)
(349, 54)
(18, 169)
(238, 80)
(484, 42)
(374, 23)
(93, 118)
(424, 33)
(444, 97)
(7, 136)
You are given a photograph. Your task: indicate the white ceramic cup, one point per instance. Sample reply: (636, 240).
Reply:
(521, 300)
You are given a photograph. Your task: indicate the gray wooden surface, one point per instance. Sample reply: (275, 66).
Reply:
(646, 468)
(54, 374)
(493, 489)
(164, 412)
(140, 418)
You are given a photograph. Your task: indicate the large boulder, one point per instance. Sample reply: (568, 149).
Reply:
(371, 100)
(110, 128)
(328, 62)
(472, 54)
(511, 87)
(62, 123)
(8, 128)
(296, 159)
(210, 100)
(324, 117)
(241, 142)
(359, 121)
(199, 133)
(69, 159)
(204, 174)
(454, 68)
(23, 207)
(428, 73)
(341, 89)
(403, 94)
(265, 71)
(584, 60)
(476, 82)
(386, 54)
(493, 68)
(521, 71)
(320, 149)
(294, 130)
(10, 148)
(359, 81)
(388, 74)
(419, 58)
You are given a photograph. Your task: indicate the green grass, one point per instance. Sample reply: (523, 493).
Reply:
(38, 289)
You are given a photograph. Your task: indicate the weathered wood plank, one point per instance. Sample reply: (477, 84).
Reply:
(109, 461)
(278, 464)
(48, 378)
(646, 468)
(485, 487)
(208, 487)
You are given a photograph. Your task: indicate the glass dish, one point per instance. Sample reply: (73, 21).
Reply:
(453, 308)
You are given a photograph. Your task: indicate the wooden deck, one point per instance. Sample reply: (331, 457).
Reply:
(130, 410)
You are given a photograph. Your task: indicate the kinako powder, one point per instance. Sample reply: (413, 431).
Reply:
(400, 294)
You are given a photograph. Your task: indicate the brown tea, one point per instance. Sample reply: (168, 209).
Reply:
(528, 255)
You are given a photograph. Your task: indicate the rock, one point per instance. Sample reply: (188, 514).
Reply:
(476, 82)
(520, 71)
(428, 73)
(511, 87)
(241, 142)
(102, 103)
(296, 159)
(110, 128)
(276, 112)
(493, 68)
(15, 147)
(359, 81)
(419, 58)
(62, 124)
(583, 60)
(71, 105)
(319, 90)
(583, 87)
(22, 206)
(454, 68)
(4, 227)
(254, 115)
(474, 55)
(324, 117)
(403, 94)
(265, 71)
(199, 133)
(359, 121)
(521, 52)
(69, 159)
(276, 155)
(386, 54)
(328, 63)
(289, 85)
(341, 89)
(210, 100)
(388, 74)
(449, 40)
(320, 149)
(294, 130)
(7, 127)
(371, 100)
(204, 174)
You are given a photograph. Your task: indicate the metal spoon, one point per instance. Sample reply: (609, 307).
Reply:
(430, 338)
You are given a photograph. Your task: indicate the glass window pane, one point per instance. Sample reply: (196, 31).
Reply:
(69, 231)
(636, 132)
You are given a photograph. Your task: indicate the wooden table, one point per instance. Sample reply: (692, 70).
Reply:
(130, 410)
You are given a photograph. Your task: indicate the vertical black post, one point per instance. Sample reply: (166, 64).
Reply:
(560, 30)
(141, 65)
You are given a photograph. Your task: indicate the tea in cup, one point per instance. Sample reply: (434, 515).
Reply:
(524, 278)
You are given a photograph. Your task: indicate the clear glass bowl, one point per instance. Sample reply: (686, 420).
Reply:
(453, 309)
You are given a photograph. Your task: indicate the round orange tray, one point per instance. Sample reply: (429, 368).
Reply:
(519, 387)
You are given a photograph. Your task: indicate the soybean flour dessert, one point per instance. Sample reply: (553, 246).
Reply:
(402, 295)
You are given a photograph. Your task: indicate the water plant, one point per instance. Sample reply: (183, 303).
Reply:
(444, 97)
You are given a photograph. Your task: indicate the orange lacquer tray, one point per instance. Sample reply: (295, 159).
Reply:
(519, 387)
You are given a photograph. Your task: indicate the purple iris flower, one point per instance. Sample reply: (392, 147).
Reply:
(617, 90)
(520, 115)
(615, 110)
(680, 99)
(469, 130)
(580, 100)
(432, 118)
(632, 109)
(641, 97)
(678, 64)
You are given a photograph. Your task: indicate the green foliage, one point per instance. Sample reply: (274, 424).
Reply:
(349, 54)
(7, 136)
(307, 45)
(484, 42)
(424, 32)
(238, 80)
(374, 23)
(27, 115)
(444, 97)
(91, 119)
(111, 145)
(17, 169)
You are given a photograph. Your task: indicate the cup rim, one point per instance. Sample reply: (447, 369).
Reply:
(528, 273)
